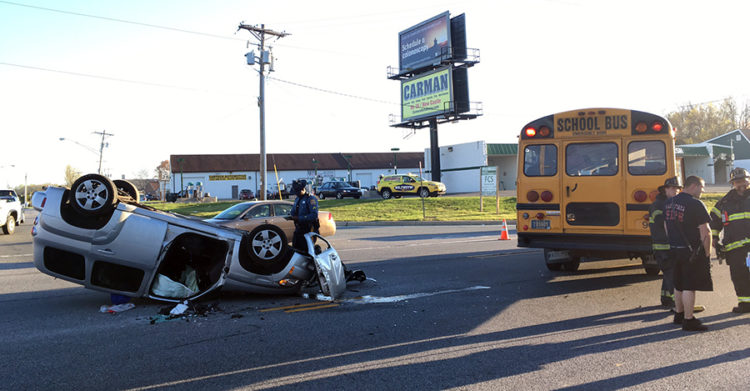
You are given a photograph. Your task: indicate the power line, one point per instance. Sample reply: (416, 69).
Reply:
(150, 84)
(109, 78)
(333, 92)
(122, 21)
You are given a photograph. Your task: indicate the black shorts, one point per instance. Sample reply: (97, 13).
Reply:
(691, 276)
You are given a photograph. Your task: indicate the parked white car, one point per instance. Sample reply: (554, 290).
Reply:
(11, 211)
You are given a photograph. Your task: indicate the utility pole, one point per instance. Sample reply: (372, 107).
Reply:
(264, 58)
(101, 148)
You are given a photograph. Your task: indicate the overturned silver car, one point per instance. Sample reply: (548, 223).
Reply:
(97, 235)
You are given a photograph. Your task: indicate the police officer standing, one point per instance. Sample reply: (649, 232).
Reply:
(660, 241)
(304, 213)
(732, 215)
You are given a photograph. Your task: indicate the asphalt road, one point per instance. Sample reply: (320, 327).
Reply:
(446, 307)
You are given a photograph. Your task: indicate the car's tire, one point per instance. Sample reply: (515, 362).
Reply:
(386, 193)
(93, 195)
(424, 192)
(339, 196)
(126, 188)
(10, 225)
(268, 246)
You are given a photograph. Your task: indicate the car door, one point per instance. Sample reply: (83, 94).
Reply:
(253, 217)
(281, 214)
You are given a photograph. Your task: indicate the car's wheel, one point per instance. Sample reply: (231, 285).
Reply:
(10, 225)
(424, 192)
(93, 195)
(322, 196)
(386, 194)
(339, 196)
(268, 245)
(126, 188)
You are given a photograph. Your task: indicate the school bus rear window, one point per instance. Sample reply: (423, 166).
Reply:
(540, 160)
(591, 159)
(647, 157)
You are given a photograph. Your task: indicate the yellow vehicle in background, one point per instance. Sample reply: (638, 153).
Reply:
(586, 179)
(408, 184)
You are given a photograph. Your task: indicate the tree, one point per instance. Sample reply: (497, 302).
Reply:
(71, 174)
(142, 174)
(695, 123)
(162, 171)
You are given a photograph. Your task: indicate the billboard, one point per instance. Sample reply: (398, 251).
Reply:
(422, 45)
(427, 95)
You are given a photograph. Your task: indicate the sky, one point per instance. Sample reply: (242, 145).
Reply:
(169, 77)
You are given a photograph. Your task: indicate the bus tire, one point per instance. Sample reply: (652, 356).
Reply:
(551, 266)
(572, 265)
(651, 270)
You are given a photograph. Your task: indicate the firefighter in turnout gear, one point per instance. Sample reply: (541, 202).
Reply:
(732, 215)
(659, 239)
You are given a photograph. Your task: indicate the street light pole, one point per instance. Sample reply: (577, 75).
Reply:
(395, 162)
(349, 166)
(315, 169)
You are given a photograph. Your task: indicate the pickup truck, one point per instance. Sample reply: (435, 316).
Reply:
(11, 211)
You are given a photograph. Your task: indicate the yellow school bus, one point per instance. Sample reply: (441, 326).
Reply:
(586, 179)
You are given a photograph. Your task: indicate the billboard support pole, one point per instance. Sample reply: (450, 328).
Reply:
(434, 150)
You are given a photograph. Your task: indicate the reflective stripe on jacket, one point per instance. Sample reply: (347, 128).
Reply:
(659, 238)
(732, 215)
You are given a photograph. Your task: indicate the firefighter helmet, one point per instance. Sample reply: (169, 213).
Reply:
(674, 181)
(738, 173)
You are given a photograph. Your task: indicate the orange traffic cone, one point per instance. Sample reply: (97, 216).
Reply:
(504, 231)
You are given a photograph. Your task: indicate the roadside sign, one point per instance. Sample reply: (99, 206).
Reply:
(488, 186)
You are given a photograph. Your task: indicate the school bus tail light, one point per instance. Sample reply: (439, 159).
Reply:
(530, 131)
(652, 195)
(540, 216)
(532, 196)
(546, 196)
(641, 127)
(640, 196)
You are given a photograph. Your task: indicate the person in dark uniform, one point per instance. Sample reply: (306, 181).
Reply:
(660, 242)
(304, 213)
(732, 215)
(690, 248)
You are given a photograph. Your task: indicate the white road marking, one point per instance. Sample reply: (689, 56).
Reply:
(395, 299)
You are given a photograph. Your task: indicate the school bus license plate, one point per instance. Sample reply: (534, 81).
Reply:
(540, 224)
